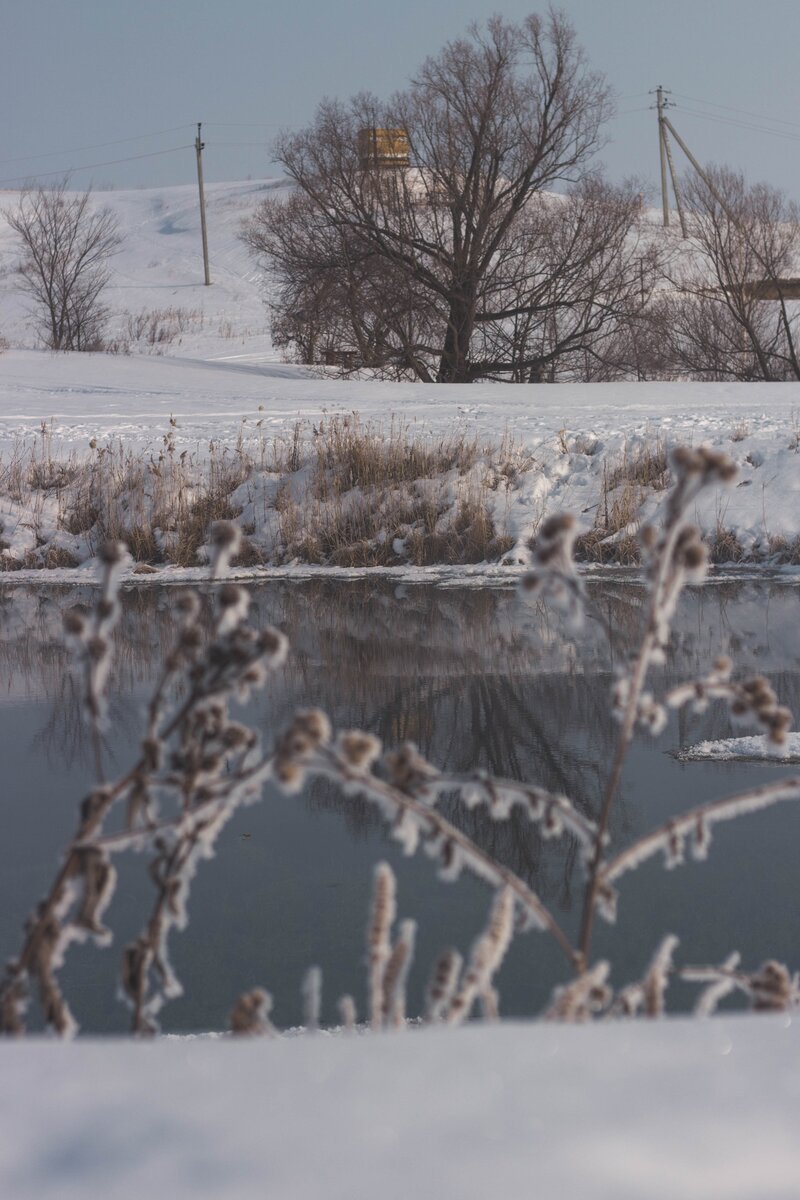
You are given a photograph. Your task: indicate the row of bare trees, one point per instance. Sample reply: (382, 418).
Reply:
(500, 252)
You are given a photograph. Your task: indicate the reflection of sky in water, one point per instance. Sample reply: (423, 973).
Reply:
(476, 679)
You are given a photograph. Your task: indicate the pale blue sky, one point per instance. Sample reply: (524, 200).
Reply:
(74, 73)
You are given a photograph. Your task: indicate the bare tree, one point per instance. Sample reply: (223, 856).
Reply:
(579, 269)
(334, 300)
(491, 120)
(65, 244)
(727, 316)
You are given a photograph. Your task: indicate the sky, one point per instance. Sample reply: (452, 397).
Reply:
(84, 83)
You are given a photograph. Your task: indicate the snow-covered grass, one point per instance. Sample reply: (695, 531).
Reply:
(340, 494)
(597, 450)
(700, 1109)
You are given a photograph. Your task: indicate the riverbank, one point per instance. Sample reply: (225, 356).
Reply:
(362, 475)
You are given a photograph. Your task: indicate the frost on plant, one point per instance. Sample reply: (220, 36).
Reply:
(196, 765)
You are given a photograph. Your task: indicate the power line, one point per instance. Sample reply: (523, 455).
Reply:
(779, 133)
(95, 146)
(91, 166)
(249, 125)
(745, 112)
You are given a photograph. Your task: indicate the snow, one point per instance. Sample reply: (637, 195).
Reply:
(220, 379)
(624, 1111)
(678, 1108)
(131, 399)
(746, 748)
(160, 266)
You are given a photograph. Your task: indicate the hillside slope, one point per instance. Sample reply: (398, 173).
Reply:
(159, 268)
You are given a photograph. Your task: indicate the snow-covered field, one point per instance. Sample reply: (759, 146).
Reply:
(159, 267)
(633, 1111)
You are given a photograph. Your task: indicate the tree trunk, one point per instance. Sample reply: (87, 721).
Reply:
(454, 361)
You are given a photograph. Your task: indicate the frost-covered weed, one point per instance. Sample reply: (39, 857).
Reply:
(197, 765)
(406, 788)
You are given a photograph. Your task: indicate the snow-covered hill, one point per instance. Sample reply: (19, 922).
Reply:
(159, 268)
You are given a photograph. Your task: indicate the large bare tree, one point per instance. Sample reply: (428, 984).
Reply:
(65, 245)
(493, 119)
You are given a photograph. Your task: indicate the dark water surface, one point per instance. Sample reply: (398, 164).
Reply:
(476, 679)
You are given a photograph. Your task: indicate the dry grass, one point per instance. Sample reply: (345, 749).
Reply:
(341, 493)
(785, 551)
(153, 329)
(614, 537)
(348, 454)
(594, 547)
(725, 547)
(645, 467)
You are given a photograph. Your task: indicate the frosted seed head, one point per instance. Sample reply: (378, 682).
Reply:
(290, 777)
(273, 645)
(771, 988)
(106, 609)
(250, 1014)
(358, 749)
(187, 604)
(314, 724)
(225, 535)
(191, 638)
(557, 525)
(112, 553)
(231, 595)
(74, 622)
(648, 536)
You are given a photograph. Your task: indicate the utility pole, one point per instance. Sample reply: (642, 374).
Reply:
(673, 176)
(198, 145)
(662, 146)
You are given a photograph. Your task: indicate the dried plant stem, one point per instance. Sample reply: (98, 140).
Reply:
(391, 799)
(487, 954)
(624, 739)
(672, 559)
(669, 837)
(379, 947)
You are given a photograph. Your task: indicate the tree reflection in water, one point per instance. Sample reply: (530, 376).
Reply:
(472, 675)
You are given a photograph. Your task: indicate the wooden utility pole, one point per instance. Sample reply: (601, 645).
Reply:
(674, 178)
(662, 146)
(198, 145)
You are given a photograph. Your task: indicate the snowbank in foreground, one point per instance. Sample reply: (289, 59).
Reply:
(756, 747)
(624, 1111)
